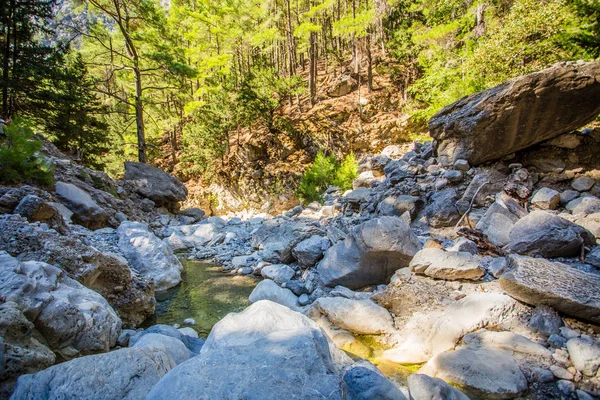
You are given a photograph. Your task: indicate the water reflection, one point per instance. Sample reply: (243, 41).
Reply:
(205, 294)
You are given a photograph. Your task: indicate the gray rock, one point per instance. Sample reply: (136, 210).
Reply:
(464, 245)
(121, 374)
(149, 255)
(362, 317)
(166, 330)
(71, 317)
(546, 199)
(155, 184)
(496, 223)
(561, 373)
(357, 196)
(276, 239)
(585, 354)
(543, 234)
(35, 208)
(423, 387)
(462, 165)
(591, 222)
(269, 290)
(363, 381)
(20, 352)
(196, 213)
(279, 273)
(485, 185)
(497, 266)
(371, 254)
(583, 183)
(442, 210)
(585, 205)
(85, 210)
(343, 85)
(567, 196)
(398, 205)
(311, 250)
(303, 299)
(518, 113)
(267, 346)
(474, 372)
(537, 282)
(124, 337)
(593, 257)
(453, 176)
(557, 341)
(449, 265)
(175, 347)
(544, 320)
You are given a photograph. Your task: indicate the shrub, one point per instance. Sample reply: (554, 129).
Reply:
(324, 172)
(19, 158)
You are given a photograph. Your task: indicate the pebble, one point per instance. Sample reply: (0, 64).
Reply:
(189, 321)
(569, 333)
(461, 165)
(557, 341)
(303, 299)
(453, 176)
(566, 387)
(583, 183)
(561, 373)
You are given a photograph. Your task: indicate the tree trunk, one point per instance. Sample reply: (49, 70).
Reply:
(369, 63)
(6, 64)
(312, 72)
(139, 117)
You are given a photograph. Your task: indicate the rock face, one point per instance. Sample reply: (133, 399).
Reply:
(371, 254)
(20, 352)
(130, 295)
(518, 113)
(483, 373)
(72, 318)
(357, 316)
(449, 265)
(543, 234)
(265, 352)
(155, 184)
(426, 335)
(541, 282)
(85, 210)
(121, 374)
(149, 255)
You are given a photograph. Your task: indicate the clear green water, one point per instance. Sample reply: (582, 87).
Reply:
(205, 294)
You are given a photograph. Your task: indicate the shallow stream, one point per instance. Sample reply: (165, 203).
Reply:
(205, 294)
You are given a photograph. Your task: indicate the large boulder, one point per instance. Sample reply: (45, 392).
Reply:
(371, 254)
(20, 352)
(269, 290)
(448, 265)
(149, 255)
(537, 282)
(480, 373)
(265, 352)
(130, 295)
(309, 251)
(155, 184)
(496, 223)
(175, 347)
(518, 113)
(85, 210)
(544, 234)
(121, 374)
(276, 238)
(442, 210)
(72, 318)
(363, 317)
(363, 381)
(426, 335)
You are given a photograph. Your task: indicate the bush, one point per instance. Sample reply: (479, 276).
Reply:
(325, 171)
(19, 158)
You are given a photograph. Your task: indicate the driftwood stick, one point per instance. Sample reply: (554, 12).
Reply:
(470, 205)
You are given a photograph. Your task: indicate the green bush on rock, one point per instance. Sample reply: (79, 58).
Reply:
(326, 171)
(19, 158)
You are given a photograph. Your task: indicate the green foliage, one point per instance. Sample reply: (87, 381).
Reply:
(19, 158)
(325, 171)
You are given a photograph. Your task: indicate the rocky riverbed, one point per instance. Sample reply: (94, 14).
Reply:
(457, 274)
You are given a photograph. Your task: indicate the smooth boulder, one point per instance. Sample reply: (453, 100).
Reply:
(149, 255)
(424, 387)
(362, 317)
(448, 265)
(518, 113)
(85, 210)
(568, 290)
(122, 374)
(265, 352)
(155, 184)
(546, 235)
(371, 254)
(269, 290)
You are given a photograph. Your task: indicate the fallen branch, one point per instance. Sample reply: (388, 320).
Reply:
(470, 205)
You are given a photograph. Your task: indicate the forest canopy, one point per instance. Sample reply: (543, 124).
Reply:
(117, 80)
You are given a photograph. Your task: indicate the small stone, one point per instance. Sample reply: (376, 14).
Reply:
(585, 354)
(593, 257)
(544, 320)
(569, 333)
(557, 341)
(497, 266)
(441, 183)
(546, 199)
(189, 321)
(541, 375)
(465, 245)
(583, 183)
(187, 331)
(461, 165)
(303, 299)
(245, 270)
(566, 387)
(581, 395)
(123, 339)
(453, 176)
(561, 373)
(567, 196)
